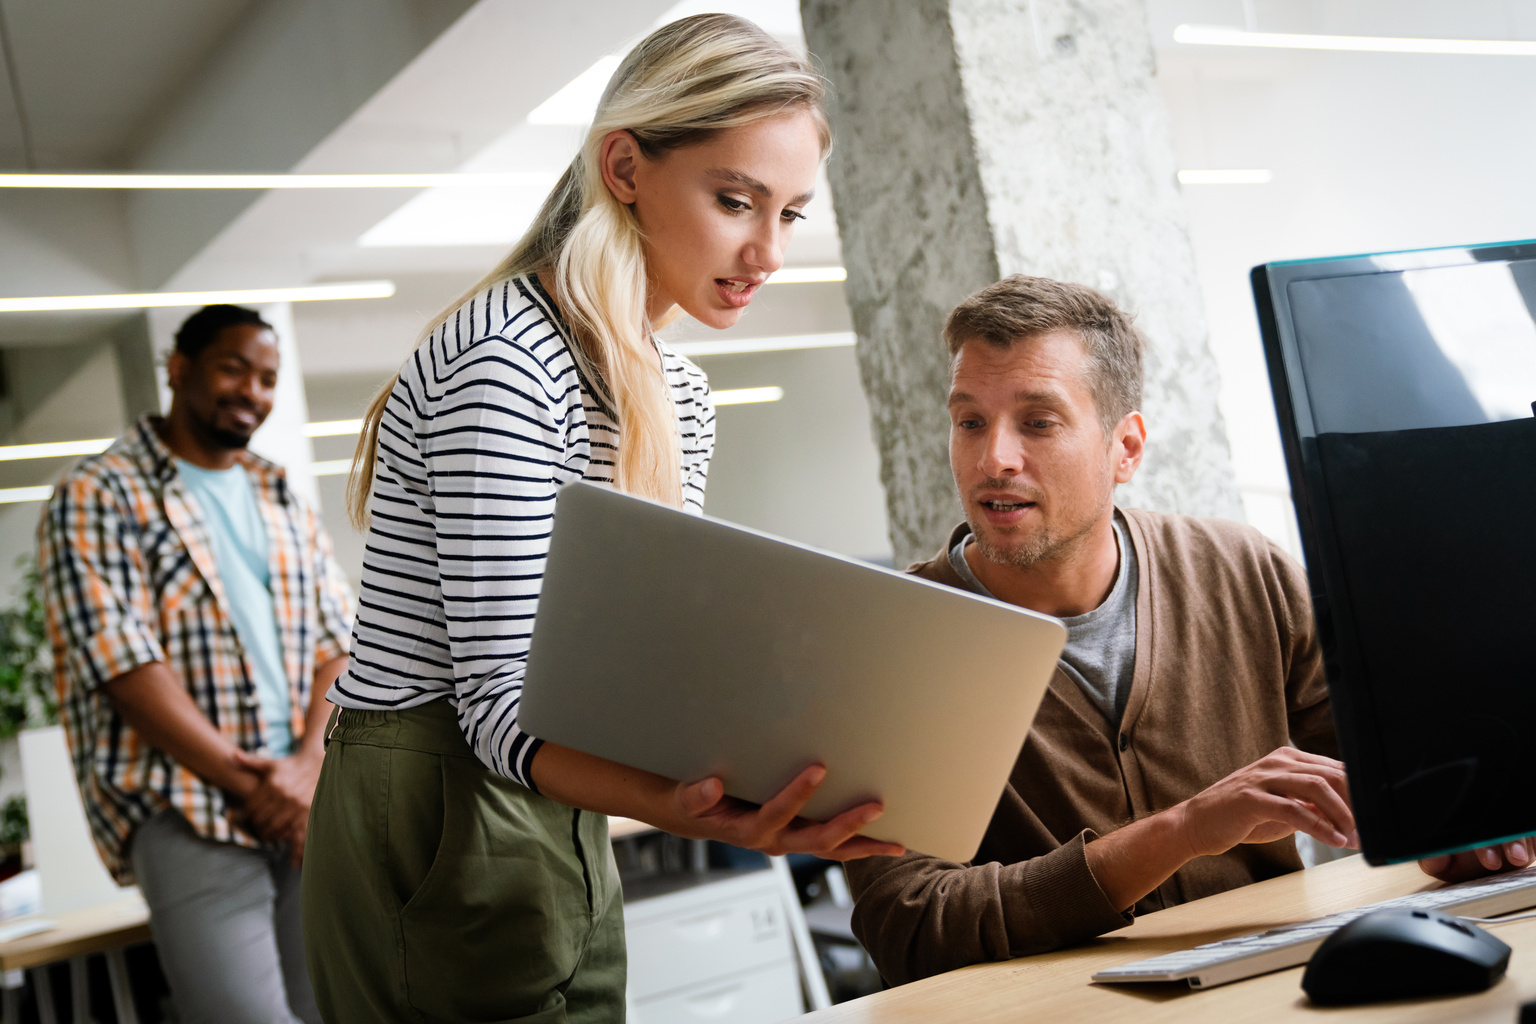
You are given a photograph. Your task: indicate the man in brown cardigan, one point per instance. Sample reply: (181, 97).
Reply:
(1186, 735)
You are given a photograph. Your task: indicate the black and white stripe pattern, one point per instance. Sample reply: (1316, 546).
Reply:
(490, 418)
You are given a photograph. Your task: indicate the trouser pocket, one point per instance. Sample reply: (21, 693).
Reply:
(500, 924)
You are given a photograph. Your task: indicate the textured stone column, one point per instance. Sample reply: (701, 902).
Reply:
(978, 138)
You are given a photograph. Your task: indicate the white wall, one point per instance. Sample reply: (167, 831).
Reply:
(1370, 152)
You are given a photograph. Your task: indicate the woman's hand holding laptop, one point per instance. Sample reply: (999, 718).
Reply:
(701, 810)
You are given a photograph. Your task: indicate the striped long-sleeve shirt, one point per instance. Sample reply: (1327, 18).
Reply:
(490, 417)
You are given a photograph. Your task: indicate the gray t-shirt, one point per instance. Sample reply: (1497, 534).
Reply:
(1100, 655)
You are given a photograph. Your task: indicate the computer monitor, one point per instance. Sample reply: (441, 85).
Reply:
(1404, 384)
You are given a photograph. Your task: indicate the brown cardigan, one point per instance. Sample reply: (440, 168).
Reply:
(1227, 669)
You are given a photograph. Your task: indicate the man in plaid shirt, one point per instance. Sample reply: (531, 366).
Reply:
(198, 618)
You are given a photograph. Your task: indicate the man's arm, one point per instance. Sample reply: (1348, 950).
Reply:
(919, 916)
(160, 710)
(279, 806)
(1285, 792)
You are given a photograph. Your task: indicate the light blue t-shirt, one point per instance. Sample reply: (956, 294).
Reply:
(239, 540)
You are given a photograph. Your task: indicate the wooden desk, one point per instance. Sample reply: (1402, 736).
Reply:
(106, 928)
(1055, 986)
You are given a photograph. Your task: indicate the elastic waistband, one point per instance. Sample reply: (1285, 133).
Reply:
(431, 728)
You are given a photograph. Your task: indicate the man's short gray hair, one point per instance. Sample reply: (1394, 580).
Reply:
(1019, 307)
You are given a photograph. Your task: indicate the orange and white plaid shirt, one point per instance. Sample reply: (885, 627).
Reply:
(129, 578)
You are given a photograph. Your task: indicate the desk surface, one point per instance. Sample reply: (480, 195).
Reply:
(119, 923)
(1055, 986)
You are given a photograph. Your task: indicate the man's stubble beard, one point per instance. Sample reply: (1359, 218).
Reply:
(227, 439)
(1030, 551)
(1047, 544)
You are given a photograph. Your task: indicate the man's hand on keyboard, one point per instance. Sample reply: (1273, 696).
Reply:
(1458, 867)
(1284, 792)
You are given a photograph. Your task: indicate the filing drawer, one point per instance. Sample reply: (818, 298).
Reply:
(763, 996)
(708, 932)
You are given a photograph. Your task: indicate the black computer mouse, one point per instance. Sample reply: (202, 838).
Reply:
(1400, 953)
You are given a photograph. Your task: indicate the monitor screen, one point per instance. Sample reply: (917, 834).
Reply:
(1405, 385)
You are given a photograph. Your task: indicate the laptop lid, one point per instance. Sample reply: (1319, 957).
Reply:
(690, 647)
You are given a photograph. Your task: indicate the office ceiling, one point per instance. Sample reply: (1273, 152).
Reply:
(93, 73)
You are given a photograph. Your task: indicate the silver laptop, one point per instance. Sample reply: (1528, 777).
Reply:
(690, 647)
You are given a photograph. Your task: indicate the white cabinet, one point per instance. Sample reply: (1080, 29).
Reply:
(719, 950)
(768, 994)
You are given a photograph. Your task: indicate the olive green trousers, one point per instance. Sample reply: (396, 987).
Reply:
(437, 891)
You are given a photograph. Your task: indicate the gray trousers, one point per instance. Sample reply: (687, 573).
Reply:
(226, 924)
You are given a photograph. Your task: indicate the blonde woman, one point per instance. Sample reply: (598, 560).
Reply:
(458, 868)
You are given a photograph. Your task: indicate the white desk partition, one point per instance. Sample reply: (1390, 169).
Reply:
(68, 867)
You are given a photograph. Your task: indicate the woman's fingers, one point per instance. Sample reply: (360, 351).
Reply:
(775, 827)
(699, 797)
(864, 846)
(783, 807)
(824, 838)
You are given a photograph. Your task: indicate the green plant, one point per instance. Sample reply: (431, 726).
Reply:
(27, 696)
(14, 828)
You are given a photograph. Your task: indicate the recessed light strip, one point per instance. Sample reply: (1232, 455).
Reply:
(735, 346)
(11, 495)
(54, 449)
(1221, 35)
(808, 275)
(745, 396)
(252, 296)
(332, 428)
(1233, 176)
(267, 181)
(324, 428)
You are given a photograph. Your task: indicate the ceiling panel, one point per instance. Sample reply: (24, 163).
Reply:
(91, 72)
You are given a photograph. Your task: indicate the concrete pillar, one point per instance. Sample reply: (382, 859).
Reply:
(979, 138)
(282, 438)
(136, 376)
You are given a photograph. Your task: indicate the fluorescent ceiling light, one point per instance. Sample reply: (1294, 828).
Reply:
(1235, 176)
(743, 396)
(577, 102)
(333, 428)
(11, 495)
(252, 296)
(734, 346)
(1221, 35)
(263, 181)
(808, 275)
(332, 467)
(60, 449)
(53, 450)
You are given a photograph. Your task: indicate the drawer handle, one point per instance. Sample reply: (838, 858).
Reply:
(717, 1003)
(704, 928)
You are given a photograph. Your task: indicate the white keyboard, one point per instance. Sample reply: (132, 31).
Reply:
(1243, 956)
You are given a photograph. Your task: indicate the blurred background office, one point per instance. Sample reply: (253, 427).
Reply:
(1299, 128)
